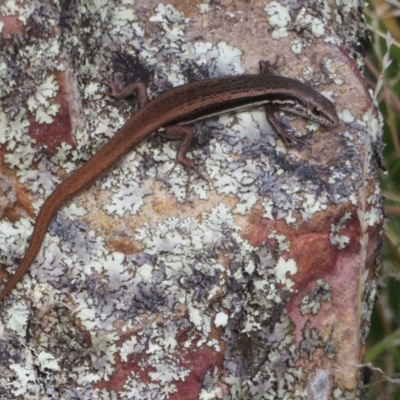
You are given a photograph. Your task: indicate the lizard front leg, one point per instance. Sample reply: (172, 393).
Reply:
(184, 133)
(138, 88)
(266, 69)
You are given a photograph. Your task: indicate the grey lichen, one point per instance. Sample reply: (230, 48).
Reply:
(192, 274)
(312, 302)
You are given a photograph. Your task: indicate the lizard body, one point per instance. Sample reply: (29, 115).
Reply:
(179, 106)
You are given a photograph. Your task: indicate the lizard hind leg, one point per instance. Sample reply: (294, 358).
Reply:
(173, 132)
(267, 68)
(138, 88)
(186, 135)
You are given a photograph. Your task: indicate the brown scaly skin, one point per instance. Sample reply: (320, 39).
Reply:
(180, 105)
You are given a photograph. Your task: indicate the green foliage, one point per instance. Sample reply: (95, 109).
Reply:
(383, 343)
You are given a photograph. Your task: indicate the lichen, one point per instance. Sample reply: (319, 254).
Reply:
(189, 277)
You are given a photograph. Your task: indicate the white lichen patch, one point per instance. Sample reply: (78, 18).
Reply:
(40, 105)
(283, 244)
(279, 18)
(340, 241)
(312, 205)
(346, 116)
(25, 381)
(329, 68)
(191, 274)
(310, 26)
(204, 8)
(286, 198)
(296, 46)
(181, 275)
(340, 394)
(312, 302)
(16, 319)
(20, 146)
(305, 20)
(211, 381)
(221, 319)
(48, 362)
(284, 267)
(321, 384)
(127, 199)
(12, 239)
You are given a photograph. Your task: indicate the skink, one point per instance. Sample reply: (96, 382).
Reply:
(166, 114)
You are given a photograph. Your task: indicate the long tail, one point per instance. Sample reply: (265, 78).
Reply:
(128, 137)
(46, 214)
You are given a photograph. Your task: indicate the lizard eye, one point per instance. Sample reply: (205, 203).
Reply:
(317, 111)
